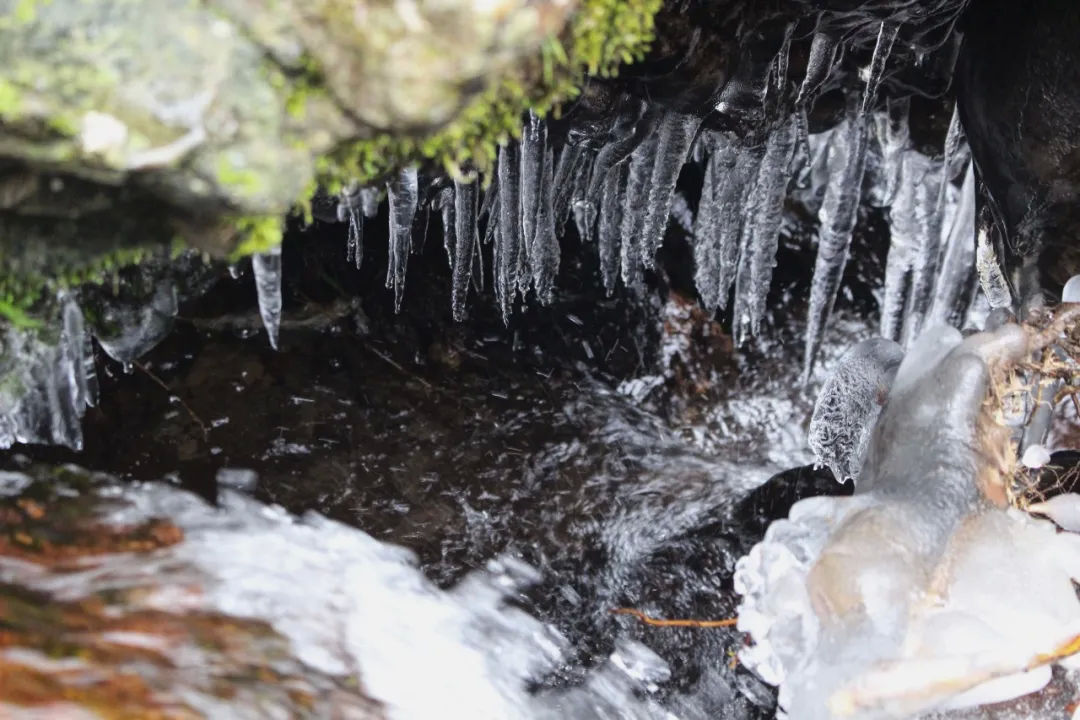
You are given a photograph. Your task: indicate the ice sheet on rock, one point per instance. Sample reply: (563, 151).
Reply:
(761, 230)
(848, 405)
(839, 209)
(956, 279)
(991, 274)
(909, 228)
(130, 329)
(47, 381)
(674, 134)
(266, 267)
(403, 195)
(913, 594)
(464, 239)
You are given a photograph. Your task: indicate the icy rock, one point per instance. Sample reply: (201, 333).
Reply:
(914, 594)
(1071, 292)
(47, 380)
(849, 403)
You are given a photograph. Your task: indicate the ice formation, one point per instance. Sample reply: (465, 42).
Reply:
(128, 330)
(839, 209)
(848, 405)
(47, 380)
(917, 593)
(622, 196)
(267, 271)
(402, 195)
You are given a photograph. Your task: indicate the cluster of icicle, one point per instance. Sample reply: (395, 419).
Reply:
(621, 196)
(48, 380)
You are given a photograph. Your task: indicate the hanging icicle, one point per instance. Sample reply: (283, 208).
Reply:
(929, 259)
(267, 271)
(508, 232)
(403, 193)
(544, 251)
(635, 210)
(729, 174)
(464, 239)
(908, 230)
(887, 33)
(957, 278)
(761, 230)
(609, 227)
(820, 63)
(839, 210)
(675, 134)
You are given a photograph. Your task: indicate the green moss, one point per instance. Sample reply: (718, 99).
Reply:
(602, 36)
(259, 234)
(10, 99)
(241, 180)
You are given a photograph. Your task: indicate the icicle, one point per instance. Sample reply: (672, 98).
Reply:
(544, 251)
(370, 198)
(762, 230)
(635, 210)
(508, 233)
(929, 257)
(267, 270)
(681, 213)
(567, 176)
(402, 192)
(955, 279)
(444, 202)
(894, 137)
(908, 226)
(818, 66)
(355, 242)
(839, 209)
(728, 176)
(882, 49)
(991, 276)
(955, 158)
(674, 137)
(464, 242)
(629, 132)
(533, 149)
(609, 227)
